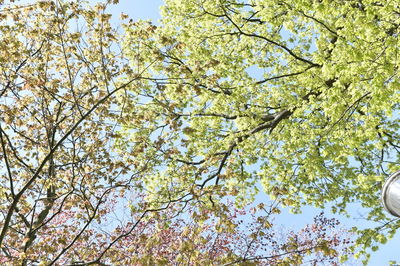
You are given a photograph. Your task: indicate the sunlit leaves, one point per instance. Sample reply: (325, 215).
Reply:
(230, 69)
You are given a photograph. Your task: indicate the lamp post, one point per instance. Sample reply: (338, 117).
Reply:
(391, 194)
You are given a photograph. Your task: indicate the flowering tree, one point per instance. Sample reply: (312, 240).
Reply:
(60, 72)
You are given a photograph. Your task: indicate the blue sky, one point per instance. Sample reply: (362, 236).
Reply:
(149, 9)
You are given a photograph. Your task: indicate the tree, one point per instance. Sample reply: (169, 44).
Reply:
(299, 96)
(77, 157)
(60, 67)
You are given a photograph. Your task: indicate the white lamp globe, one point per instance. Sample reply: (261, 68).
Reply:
(391, 194)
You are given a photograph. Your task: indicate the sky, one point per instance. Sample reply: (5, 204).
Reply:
(149, 9)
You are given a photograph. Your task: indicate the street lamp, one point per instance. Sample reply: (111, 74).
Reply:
(391, 194)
